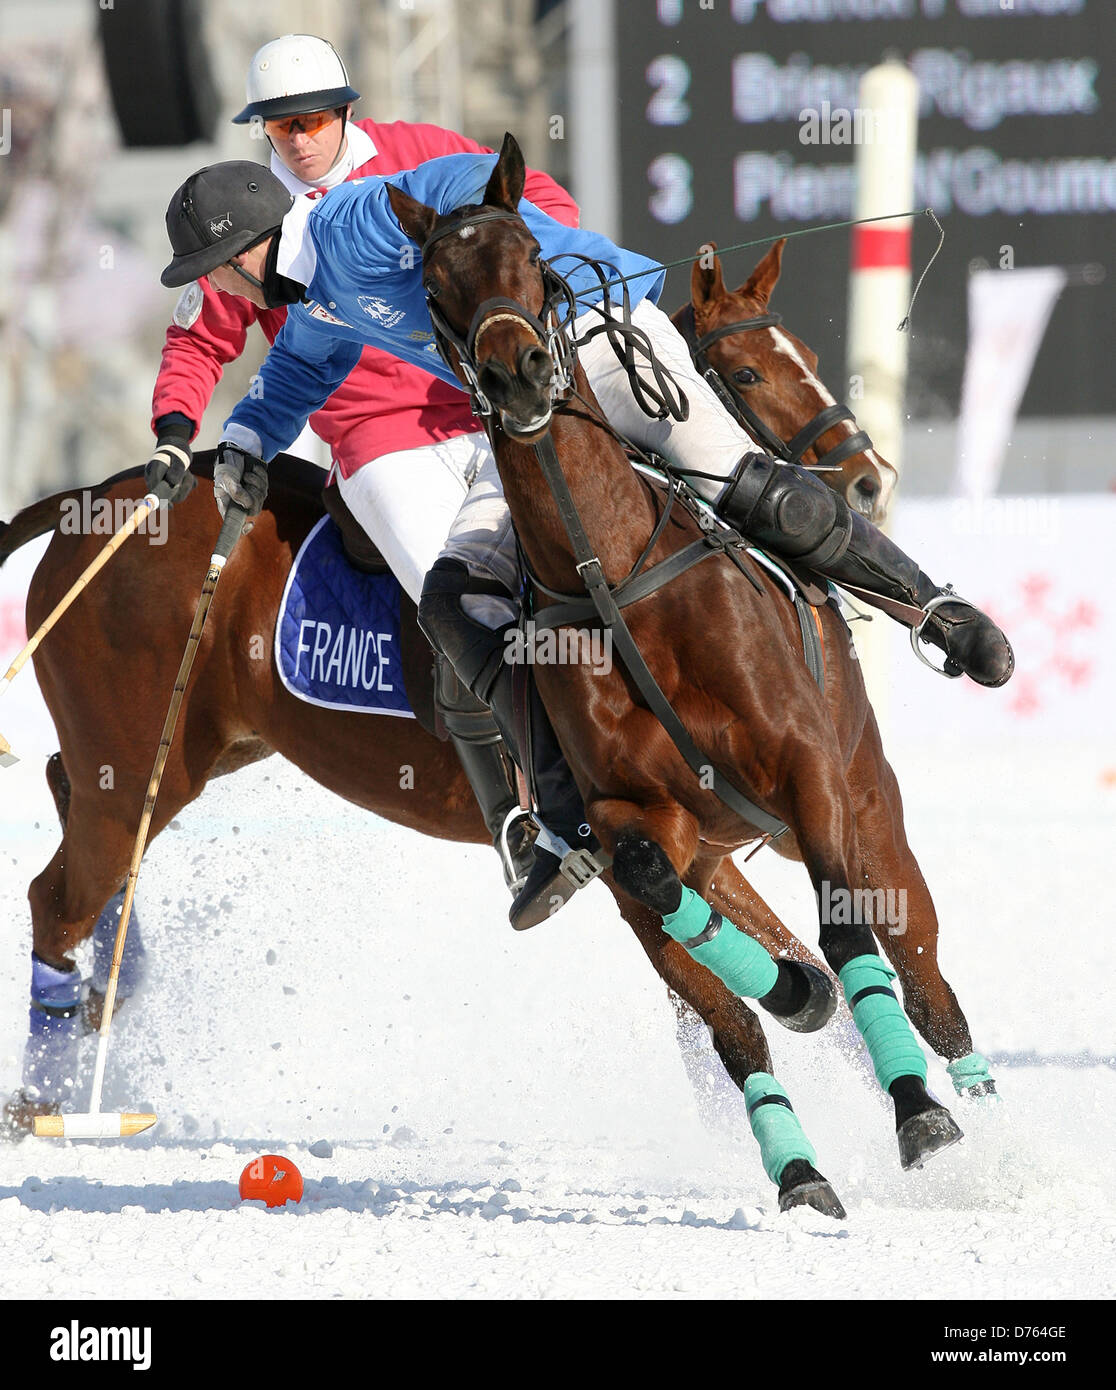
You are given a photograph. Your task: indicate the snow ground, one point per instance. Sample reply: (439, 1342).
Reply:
(507, 1116)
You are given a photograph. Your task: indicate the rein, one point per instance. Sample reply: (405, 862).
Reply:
(606, 601)
(792, 450)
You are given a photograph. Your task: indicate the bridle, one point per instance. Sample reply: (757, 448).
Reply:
(552, 326)
(790, 450)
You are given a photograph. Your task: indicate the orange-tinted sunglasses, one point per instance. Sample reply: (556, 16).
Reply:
(309, 123)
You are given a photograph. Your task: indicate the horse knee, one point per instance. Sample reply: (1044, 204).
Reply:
(58, 781)
(643, 871)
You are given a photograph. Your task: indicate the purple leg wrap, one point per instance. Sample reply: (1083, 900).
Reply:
(133, 963)
(50, 1057)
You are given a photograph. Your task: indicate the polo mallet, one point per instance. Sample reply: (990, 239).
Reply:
(96, 1124)
(159, 493)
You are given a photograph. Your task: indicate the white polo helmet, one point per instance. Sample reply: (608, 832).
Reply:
(292, 75)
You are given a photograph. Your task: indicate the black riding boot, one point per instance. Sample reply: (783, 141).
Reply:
(476, 739)
(564, 858)
(789, 509)
(567, 853)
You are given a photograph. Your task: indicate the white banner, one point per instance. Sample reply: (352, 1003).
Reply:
(1040, 566)
(1008, 314)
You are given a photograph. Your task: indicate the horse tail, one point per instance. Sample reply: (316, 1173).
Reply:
(44, 515)
(35, 520)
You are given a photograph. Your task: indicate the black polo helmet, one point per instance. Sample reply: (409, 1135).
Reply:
(219, 212)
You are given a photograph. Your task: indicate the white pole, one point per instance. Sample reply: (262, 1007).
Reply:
(595, 152)
(886, 131)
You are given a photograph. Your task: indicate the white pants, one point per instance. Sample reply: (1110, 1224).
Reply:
(447, 499)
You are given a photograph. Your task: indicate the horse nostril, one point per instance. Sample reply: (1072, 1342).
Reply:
(495, 381)
(865, 494)
(535, 366)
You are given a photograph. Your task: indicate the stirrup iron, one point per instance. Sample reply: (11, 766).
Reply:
(946, 596)
(504, 850)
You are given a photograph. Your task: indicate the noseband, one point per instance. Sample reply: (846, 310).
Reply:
(791, 450)
(550, 327)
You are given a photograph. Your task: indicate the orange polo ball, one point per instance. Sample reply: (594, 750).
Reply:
(271, 1179)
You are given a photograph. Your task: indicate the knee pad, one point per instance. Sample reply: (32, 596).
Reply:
(790, 509)
(476, 652)
(464, 716)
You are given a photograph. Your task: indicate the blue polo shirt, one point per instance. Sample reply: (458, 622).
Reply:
(364, 286)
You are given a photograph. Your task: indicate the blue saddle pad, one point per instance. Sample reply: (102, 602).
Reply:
(337, 637)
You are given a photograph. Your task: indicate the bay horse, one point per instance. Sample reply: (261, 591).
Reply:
(746, 704)
(237, 712)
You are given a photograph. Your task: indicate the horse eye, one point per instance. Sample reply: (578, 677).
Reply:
(746, 376)
(534, 256)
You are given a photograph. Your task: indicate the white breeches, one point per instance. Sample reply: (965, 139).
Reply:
(447, 499)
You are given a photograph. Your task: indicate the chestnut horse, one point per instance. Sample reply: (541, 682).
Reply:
(237, 712)
(743, 705)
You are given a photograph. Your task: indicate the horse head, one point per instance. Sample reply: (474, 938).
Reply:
(768, 378)
(490, 303)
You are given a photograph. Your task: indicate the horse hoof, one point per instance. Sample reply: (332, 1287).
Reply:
(815, 999)
(804, 1186)
(18, 1116)
(925, 1134)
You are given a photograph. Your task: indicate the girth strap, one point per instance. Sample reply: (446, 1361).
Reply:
(604, 601)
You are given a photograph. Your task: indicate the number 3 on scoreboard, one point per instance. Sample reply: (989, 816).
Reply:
(672, 178)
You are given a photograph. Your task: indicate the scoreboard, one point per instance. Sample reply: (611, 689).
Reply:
(738, 120)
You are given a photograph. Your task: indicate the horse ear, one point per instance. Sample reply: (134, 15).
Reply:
(505, 187)
(707, 282)
(416, 219)
(766, 275)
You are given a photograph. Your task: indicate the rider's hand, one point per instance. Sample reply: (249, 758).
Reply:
(239, 477)
(170, 463)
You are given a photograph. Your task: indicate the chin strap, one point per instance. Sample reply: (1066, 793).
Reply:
(244, 275)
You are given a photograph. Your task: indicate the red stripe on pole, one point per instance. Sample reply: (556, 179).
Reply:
(877, 248)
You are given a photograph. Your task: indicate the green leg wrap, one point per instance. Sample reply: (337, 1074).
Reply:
(743, 964)
(880, 1018)
(970, 1071)
(775, 1125)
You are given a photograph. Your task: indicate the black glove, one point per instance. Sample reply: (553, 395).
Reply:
(170, 463)
(239, 477)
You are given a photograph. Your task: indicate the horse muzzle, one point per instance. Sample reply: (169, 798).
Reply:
(523, 397)
(525, 431)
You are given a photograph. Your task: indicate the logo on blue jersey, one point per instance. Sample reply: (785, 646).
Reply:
(380, 310)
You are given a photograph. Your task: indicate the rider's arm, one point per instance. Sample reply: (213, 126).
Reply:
(540, 189)
(551, 198)
(204, 337)
(299, 374)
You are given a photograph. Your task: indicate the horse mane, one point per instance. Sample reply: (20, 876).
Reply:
(285, 473)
